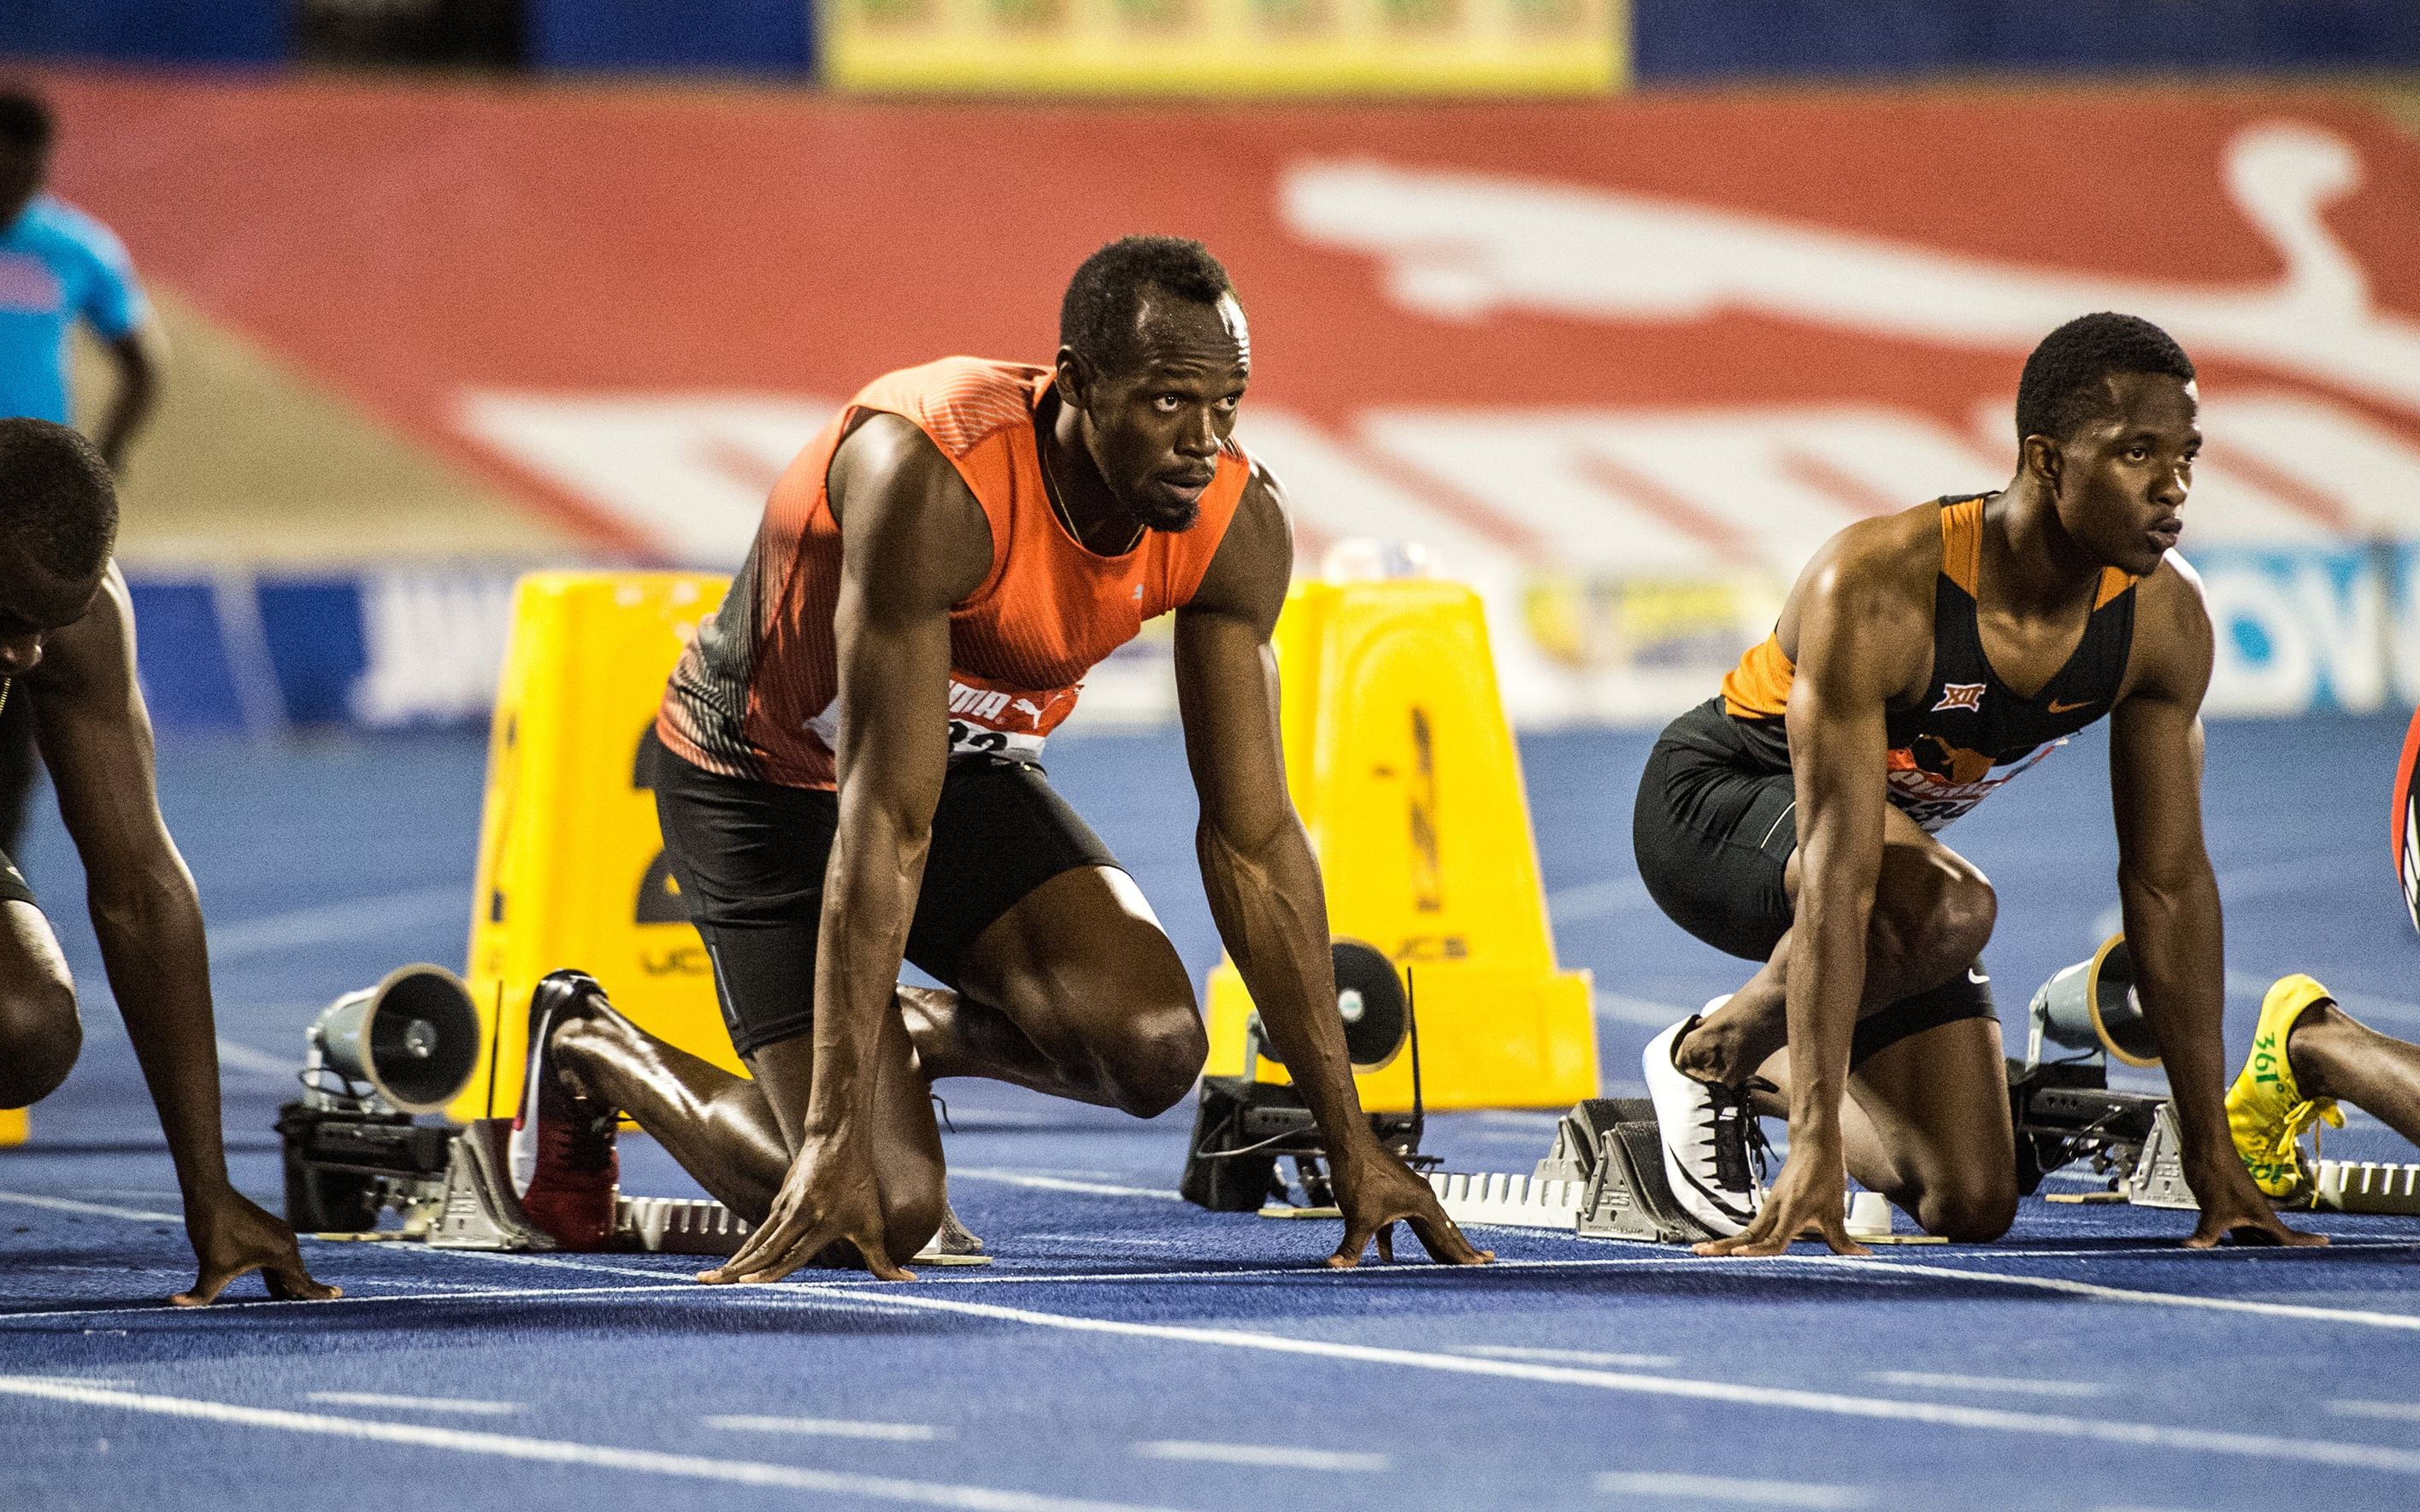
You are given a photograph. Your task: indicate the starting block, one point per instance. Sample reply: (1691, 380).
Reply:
(473, 1207)
(2365, 1186)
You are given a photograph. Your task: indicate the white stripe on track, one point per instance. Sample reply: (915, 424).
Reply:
(1057, 1183)
(323, 923)
(562, 1452)
(1725, 1488)
(2402, 1412)
(2017, 1384)
(832, 1427)
(1506, 1351)
(2155, 1299)
(250, 1306)
(90, 1210)
(1266, 1456)
(2140, 1435)
(421, 1404)
(237, 1055)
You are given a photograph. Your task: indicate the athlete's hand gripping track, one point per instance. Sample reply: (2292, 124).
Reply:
(829, 1195)
(232, 1237)
(2170, 901)
(1262, 881)
(1808, 1201)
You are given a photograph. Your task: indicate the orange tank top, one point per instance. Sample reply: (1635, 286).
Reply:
(755, 694)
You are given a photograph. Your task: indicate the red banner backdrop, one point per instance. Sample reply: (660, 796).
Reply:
(1622, 364)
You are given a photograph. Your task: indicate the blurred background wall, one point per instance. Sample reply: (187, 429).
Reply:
(1615, 309)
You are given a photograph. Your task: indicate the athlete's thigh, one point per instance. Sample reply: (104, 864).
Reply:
(1912, 861)
(1938, 1102)
(1078, 958)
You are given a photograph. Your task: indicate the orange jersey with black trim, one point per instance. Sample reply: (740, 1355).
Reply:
(1970, 731)
(755, 694)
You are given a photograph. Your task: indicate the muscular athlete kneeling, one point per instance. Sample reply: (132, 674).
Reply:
(1920, 661)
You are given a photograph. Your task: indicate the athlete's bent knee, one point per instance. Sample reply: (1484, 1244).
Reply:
(1934, 924)
(1967, 1215)
(40, 1040)
(1157, 1060)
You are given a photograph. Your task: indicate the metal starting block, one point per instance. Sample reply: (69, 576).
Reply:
(2365, 1186)
(1604, 1179)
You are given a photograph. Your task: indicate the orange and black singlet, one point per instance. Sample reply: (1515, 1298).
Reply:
(754, 696)
(1969, 732)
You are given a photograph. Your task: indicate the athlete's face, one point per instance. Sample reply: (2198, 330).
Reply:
(34, 602)
(2122, 478)
(1154, 428)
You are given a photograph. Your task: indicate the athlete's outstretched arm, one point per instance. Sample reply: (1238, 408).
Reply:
(1262, 879)
(913, 542)
(2170, 900)
(1838, 743)
(96, 738)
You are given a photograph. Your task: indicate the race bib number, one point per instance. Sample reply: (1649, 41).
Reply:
(990, 721)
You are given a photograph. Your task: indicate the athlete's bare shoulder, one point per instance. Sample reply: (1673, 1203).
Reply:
(1248, 574)
(92, 659)
(1879, 571)
(906, 512)
(2172, 641)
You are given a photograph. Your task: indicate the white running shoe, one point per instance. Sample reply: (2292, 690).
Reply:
(1705, 1131)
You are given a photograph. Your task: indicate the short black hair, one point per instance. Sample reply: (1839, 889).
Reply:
(26, 119)
(2066, 379)
(1100, 316)
(57, 498)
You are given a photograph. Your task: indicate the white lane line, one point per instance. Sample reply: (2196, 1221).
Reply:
(1119, 1240)
(832, 1427)
(2404, 1411)
(1727, 1489)
(323, 923)
(235, 1056)
(1507, 1351)
(421, 1404)
(2018, 1384)
(248, 1307)
(2155, 1299)
(1056, 1184)
(1626, 1010)
(90, 1210)
(562, 1452)
(2003, 1420)
(1264, 1456)
(81, 1381)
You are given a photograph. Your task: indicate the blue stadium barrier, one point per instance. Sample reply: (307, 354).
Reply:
(376, 650)
(148, 31)
(1690, 39)
(648, 35)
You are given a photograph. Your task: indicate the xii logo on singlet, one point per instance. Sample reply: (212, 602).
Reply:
(1966, 696)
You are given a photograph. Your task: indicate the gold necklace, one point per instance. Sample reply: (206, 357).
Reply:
(1051, 490)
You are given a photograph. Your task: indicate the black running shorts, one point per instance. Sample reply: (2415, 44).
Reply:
(750, 858)
(1713, 828)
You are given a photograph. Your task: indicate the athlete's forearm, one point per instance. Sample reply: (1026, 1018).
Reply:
(138, 391)
(1828, 972)
(1271, 910)
(870, 891)
(149, 926)
(2177, 941)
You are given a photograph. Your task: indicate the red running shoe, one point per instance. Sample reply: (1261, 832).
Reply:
(565, 1167)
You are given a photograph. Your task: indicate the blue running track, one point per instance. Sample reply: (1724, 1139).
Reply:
(1127, 1350)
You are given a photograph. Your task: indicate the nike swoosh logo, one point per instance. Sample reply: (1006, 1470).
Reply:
(2070, 708)
(1978, 978)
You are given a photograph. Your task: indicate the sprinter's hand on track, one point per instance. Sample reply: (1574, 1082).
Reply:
(233, 1237)
(2235, 1210)
(1810, 1200)
(830, 1195)
(1376, 1191)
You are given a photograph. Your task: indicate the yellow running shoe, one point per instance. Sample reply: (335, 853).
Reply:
(2265, 1111)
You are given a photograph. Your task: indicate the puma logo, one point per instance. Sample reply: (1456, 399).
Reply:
(2056, 707)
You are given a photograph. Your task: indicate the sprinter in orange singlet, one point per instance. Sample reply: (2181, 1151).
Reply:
(850, 777)
(1922, 660)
